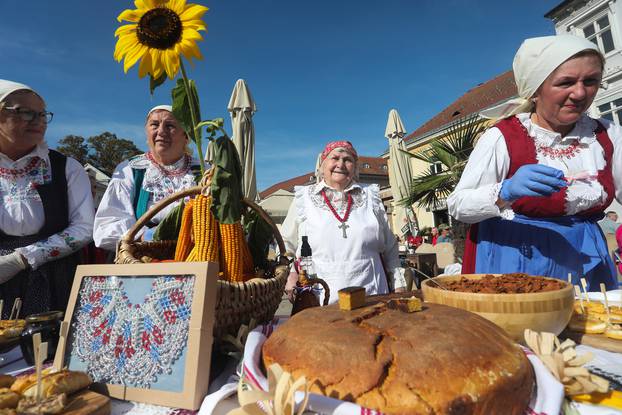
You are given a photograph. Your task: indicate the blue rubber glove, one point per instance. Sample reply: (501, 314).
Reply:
(532, 180)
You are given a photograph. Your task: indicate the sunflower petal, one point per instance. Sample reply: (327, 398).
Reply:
(124, 29)
(156, 62)
(191, 34)
(133, 55)
(124, 44)
(193, 11)
(171, 62)
(131, 15)
(146, 66)
(189, 50)
(177, 6)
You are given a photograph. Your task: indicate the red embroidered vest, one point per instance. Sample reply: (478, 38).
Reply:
(522, 150)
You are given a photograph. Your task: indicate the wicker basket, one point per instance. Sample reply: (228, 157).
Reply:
(236, 302)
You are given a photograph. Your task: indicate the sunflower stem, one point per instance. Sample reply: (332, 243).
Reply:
(196, 131)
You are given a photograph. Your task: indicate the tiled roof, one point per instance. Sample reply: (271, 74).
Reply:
(485, 95)
(375, 168)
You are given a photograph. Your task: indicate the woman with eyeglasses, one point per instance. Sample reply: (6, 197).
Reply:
(46, 215)
(537, 182)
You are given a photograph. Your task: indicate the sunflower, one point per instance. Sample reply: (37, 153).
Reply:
(160, 32)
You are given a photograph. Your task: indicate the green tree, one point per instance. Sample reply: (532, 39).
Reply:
(74, 146)
(106, 151)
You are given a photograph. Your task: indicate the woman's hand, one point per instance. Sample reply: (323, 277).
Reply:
(292, 279)
(532, 180)
(11, 265)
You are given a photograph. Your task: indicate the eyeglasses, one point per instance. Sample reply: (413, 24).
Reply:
(30, 115)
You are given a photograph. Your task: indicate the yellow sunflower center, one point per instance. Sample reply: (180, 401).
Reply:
(159, 28)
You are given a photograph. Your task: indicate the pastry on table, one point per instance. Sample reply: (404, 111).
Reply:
(8, 398)
(65, 381)
(614, 331)
(6, 381)
(588, 324)
(48, 406)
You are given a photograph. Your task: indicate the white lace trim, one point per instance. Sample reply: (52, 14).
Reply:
(160, 184)
(584, 194)
(338, 199)
(583, 132)
(505, 212)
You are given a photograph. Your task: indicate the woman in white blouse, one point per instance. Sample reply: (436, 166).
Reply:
(140, 182)
(46, 214)
(538, 181)
(346, 226)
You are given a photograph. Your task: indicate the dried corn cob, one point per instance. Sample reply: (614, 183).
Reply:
(184, 240)
(205, 229)
(235, 258)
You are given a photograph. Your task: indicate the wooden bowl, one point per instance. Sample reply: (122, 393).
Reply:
(548, 311)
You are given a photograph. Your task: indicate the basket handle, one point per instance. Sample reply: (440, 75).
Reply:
(130, 235)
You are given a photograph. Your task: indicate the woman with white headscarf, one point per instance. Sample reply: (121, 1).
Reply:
(539, 180)
(47, 208)
(346, 226)
(144, 180)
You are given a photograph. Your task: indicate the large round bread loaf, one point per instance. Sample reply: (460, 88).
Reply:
(441, 360)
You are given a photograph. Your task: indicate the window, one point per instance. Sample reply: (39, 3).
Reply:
(612, 110)
(384, 167)
(436, 168)
(365, 165)
(599, 32)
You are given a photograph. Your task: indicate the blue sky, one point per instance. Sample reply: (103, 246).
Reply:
(318, 70)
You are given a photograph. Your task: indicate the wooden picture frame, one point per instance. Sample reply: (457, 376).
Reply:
(197, 352)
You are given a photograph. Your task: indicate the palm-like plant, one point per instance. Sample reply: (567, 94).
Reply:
(452, 151)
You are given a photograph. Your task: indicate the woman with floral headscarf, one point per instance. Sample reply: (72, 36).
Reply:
(46, 214)
(346, 226)
(146, 179)
(539, 180)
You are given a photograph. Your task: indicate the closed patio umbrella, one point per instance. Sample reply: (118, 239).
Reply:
(400, 174)
(242, 107)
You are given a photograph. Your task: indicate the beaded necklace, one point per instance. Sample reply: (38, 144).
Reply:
(346, 215)
(176, 172)
(15, 173)
(132, 344)
(555, 153)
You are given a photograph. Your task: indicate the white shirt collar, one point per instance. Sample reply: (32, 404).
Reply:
(41, 150)
(583, 131)
(323, 185)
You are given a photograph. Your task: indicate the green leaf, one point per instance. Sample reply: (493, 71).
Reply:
(154, 83)
(168, 228)
(259, 236)
(226, 186)
(181, 105)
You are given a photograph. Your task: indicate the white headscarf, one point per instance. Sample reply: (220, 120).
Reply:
(535, 60)
(8, 87)
(168, 108)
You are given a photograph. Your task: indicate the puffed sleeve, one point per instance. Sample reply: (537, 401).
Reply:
(388, 241)
(615, 135)
(115, 214)
(80, 216)
(474, 198)
(295, 216)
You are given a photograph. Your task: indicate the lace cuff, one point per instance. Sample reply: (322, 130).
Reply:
(397, 278)
(505, 211)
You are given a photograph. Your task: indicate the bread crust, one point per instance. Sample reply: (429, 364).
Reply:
(440, 360)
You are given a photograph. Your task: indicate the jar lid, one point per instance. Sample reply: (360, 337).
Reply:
(47, 316)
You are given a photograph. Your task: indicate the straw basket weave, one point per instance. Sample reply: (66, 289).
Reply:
(236, 302)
